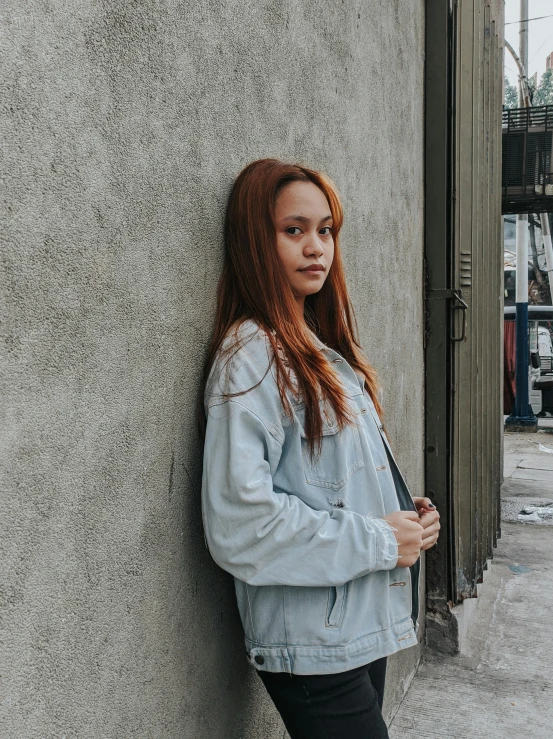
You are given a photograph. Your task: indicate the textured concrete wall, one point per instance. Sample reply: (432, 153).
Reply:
(124, 123)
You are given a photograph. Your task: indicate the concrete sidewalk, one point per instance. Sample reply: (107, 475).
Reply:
(501, 686)
(527, 491)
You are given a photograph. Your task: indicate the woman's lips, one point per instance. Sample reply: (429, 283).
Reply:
(313, 268)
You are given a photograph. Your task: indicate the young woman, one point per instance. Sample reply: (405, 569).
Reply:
(302, 500)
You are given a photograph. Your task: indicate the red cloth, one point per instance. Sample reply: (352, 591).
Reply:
(509, 355)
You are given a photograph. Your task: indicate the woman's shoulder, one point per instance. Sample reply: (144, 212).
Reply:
(242, 363)
(245, 335)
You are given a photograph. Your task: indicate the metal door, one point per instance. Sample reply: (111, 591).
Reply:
(463, 251)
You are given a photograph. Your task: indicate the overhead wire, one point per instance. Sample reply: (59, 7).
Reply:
(527, 20)
(539, 49)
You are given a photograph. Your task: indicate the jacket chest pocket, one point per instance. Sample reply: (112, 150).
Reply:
(339, 457)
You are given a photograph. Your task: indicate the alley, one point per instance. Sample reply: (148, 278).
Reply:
(501, 684)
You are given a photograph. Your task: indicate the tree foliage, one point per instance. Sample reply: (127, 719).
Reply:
(543, 95)
(511, 95)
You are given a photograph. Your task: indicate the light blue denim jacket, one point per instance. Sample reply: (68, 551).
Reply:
(315, 570)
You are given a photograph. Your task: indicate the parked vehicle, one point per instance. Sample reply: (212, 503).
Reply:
(545, 350)
(540, 370)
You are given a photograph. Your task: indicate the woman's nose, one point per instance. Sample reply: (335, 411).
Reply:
(313, 247)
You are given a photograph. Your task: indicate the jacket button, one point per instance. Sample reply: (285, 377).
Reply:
(259, 659)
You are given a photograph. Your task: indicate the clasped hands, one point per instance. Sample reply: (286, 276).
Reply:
(415, 531)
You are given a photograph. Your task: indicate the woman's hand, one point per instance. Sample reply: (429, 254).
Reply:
(430, 521)
(408, 531)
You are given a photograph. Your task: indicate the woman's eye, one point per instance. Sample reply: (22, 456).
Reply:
(326, 231)
(293, 230)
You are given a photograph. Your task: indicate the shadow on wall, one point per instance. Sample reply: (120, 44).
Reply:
(228, 699)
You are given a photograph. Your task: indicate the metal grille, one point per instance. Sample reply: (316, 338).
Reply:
(527, 161)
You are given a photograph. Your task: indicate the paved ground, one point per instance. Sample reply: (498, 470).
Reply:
(527, 494)
(502, 686)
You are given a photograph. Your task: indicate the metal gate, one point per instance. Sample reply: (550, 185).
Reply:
(464, 271)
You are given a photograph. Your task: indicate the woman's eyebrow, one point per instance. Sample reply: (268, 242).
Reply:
(304, 219)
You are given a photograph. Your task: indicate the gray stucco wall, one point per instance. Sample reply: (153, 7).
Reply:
(124, 124)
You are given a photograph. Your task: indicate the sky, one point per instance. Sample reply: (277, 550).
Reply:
(540, 36)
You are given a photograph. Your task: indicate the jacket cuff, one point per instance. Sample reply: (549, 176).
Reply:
(386, 545)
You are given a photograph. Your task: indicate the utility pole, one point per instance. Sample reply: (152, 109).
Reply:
(523, 50)
(522, 418)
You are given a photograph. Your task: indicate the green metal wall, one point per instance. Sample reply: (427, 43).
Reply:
(464, 85)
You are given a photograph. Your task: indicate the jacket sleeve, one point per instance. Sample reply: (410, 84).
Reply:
(263, 537)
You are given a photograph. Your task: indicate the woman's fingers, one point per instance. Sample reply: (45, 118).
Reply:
(423, 503)
(430, 534)
(431, 539)
(427, 528)
(431, 530)
(427, 519)
(429, 543)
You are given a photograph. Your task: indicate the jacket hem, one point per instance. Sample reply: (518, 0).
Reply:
(325, 659)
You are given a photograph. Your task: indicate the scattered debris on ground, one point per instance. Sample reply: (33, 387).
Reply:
(538, 514)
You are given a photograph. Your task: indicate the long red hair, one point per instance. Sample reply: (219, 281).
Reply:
(253, 286)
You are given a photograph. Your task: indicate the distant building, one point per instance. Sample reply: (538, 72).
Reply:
(549, 61)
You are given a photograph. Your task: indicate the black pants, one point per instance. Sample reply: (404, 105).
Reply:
(345, 705)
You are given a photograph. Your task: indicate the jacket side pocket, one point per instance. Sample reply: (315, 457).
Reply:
(336, 605)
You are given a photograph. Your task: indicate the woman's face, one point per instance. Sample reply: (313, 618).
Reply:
(304, 237)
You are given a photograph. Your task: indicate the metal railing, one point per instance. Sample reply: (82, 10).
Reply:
(527, 160)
